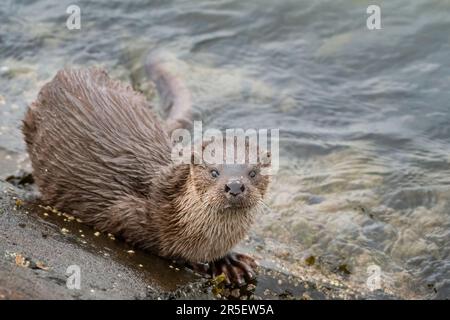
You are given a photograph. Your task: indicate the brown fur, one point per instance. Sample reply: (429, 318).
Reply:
(99, 152)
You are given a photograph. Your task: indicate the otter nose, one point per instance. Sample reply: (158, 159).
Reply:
(234, 188)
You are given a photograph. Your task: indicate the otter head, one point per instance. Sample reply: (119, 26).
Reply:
(230, 185)
(216, 206)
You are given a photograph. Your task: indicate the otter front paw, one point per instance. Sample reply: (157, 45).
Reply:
(236, 267)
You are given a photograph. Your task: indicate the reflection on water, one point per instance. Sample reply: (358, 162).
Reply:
(364, 118)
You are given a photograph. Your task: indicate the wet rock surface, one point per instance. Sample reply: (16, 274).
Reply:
(38, 244)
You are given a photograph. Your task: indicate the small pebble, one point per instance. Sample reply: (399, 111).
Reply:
(235, 293)
(306, 296)
(4, 70)
(251, 287)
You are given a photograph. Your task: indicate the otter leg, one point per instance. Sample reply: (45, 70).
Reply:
(236, 267)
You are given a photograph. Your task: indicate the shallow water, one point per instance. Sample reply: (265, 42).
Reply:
(364, 115)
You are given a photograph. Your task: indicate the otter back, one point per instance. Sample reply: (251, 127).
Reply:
(92, 139)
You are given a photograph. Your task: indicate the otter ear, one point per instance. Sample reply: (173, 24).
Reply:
(265, 158)
(196, 153)
(265, 163)
(206, 155)
(196, 158)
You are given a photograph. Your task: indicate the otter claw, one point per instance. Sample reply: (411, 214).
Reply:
(236, 267)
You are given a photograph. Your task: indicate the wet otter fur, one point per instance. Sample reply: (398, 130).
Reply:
(98, 151)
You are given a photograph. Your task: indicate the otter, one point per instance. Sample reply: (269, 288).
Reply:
(99, 152)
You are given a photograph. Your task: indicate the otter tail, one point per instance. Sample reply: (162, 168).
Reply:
(175, 96)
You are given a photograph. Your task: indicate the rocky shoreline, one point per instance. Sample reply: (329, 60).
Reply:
(38, 244)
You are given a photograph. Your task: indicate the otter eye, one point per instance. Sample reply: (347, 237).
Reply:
(214, 173)
(252, 174)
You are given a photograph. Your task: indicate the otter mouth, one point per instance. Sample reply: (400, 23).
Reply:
(237, 204)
